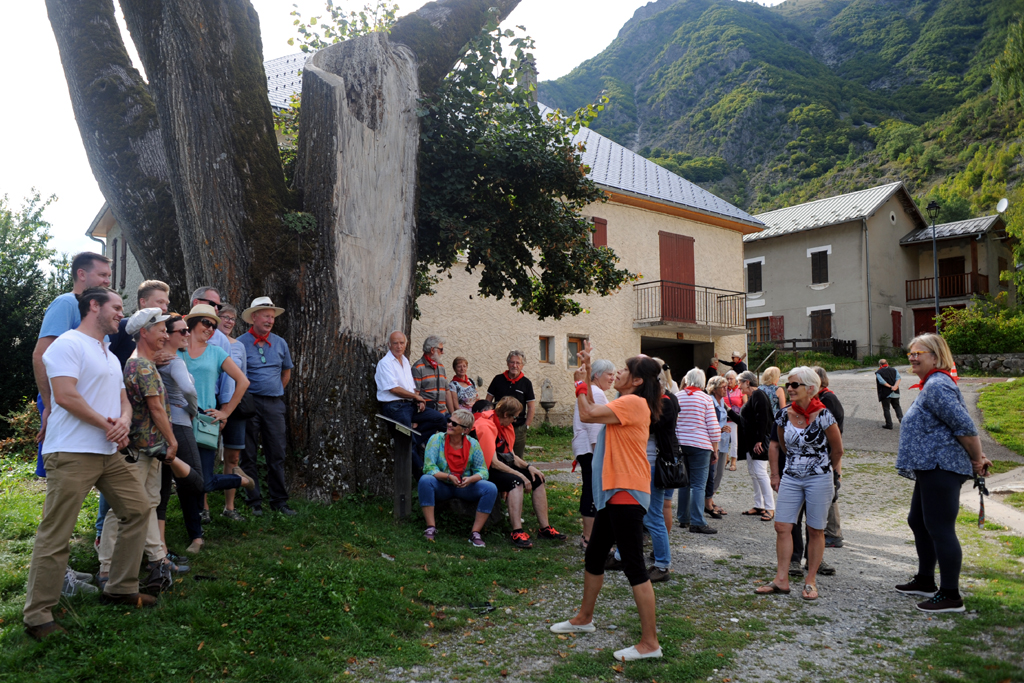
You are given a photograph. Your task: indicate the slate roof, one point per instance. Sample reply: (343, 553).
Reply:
(612, 166)
(948, 231)
(825, 212)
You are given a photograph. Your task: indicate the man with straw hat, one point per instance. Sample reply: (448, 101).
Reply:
(269, 369)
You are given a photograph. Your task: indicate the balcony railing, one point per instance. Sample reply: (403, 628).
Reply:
(677, 302)
(950, 286)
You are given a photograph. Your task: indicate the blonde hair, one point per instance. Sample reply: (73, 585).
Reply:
(715, 382)
(667, 383)
(937, 345)
(807, 376)
(771, 375)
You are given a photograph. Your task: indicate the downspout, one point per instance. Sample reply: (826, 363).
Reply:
(103, 245)
(867, 278)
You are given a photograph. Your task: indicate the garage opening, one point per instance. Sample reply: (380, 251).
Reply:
(681, 355)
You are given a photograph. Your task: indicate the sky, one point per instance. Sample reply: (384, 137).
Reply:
(42, 147)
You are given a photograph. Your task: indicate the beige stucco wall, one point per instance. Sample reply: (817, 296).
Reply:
(484, 330)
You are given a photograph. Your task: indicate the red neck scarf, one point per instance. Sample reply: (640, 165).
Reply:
(463, 381)
(265, 338)
(431, 362)
(884, 365)
(825, 390)
(457, 459)
(513, 381)
(814, 406)
(920, 385)
(690, 391)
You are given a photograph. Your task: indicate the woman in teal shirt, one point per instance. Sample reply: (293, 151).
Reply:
(206, 362)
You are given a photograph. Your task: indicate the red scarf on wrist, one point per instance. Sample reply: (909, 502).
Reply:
(920, 385)
(690, 391)
(265, 338)
(456, 459)
(814, 406)
(513, 381)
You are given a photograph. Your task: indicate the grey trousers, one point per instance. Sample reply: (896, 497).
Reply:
(266, 427)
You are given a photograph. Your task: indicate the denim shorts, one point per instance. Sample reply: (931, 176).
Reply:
(234, 434)
(815, 491)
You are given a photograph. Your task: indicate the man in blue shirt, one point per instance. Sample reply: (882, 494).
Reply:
(269, 369)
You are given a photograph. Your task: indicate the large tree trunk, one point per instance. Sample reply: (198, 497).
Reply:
(347, 284)
(121, 134)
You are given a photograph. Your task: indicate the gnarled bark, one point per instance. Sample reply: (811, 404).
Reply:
(121, 134)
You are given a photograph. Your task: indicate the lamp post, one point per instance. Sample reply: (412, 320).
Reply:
(933, 213)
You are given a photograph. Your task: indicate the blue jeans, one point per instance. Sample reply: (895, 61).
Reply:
(654, 520)
(691, 499)
(216, 482)
(484, 492)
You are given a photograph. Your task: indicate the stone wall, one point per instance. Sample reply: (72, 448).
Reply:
(997, 363)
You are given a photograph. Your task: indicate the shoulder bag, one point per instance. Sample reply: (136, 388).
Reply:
(670, 470)
(206, 430)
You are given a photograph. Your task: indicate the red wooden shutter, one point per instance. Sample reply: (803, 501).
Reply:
(678, 296)
(600, 232)
(897, 329)
(777, 325)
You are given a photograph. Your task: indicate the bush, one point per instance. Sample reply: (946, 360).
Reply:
(984, 328)
(22, 426)
(548, 429)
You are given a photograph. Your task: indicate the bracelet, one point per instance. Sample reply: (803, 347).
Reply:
(580, 383)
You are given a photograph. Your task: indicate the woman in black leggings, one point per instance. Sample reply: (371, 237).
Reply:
(939, 450)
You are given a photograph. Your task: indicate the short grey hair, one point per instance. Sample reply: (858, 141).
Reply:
(882, 361)
(749, 377)
(463, 418)
(431, 342)
(516, 352)
(600, 366)
(715, 382)
(201, 292)
(695, 378)
(806, 376)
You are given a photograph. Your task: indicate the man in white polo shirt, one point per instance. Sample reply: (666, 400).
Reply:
(89, 422)
(396, 389)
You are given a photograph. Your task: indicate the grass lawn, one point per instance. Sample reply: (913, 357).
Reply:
(1003, 407)
(556, 443)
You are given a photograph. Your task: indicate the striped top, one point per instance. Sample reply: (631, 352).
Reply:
(431, 384)
(697, 424)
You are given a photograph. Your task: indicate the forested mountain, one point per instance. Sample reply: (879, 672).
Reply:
(772, 106)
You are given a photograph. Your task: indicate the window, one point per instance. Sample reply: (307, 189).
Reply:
(600, 232)
(545, 350)
(1002, 269)
(819, 267)
(574, 345)
(758, 330)
(754, 277)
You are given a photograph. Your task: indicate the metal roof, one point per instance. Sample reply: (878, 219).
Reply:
(824, 212)
(612, 166)
(948, 231)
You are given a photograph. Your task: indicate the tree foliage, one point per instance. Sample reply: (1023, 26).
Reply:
(25, 291)
(1008, 70)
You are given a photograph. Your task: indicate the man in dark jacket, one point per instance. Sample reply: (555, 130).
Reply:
(888, 386)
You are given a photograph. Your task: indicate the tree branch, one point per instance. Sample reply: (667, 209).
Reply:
(121, 134)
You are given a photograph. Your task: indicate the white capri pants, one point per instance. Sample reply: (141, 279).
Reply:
(815, 491)
(764, 497)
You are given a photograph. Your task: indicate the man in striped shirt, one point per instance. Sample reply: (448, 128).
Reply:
(429, 375)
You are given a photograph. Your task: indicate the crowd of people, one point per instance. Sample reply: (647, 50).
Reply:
(137, 406)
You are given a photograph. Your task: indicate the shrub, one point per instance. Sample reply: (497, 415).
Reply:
(984, 328)
(23, 425)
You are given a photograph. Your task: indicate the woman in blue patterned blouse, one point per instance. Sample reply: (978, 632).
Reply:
(939, 450)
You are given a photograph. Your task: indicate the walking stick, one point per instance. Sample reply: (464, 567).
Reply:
(979, 483)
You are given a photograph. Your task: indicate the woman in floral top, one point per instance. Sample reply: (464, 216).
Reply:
(462, 389)
(939, 450)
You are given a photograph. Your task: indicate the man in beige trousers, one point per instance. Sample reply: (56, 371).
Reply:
(89, 421)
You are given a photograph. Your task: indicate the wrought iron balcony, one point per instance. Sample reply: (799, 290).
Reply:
(678, 305)
(950, 286)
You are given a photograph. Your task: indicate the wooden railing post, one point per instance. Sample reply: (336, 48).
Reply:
(402, 437)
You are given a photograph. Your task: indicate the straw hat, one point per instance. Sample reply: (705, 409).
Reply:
(203, 311)
(262, 303)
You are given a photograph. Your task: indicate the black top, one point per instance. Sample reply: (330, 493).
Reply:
(664, 430)
(755, 425)
(831, 402)
(521, 390)
(738, 366)
(710, 372)
(888, 374)
(121, 344)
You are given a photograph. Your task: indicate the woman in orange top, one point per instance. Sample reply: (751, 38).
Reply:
(622, 493)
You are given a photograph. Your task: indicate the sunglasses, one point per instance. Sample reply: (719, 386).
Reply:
(208, 323)
(212, 303)
(263, 358)
(795, 385)
(452, 421)
(184, 332)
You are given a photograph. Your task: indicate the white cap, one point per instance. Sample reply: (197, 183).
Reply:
(145, 317)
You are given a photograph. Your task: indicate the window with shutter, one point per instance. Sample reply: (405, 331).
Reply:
(819, 267)
(754, 277)
(600, 232)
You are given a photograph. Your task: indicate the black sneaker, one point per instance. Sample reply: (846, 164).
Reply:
(551, 533)
(204, 517)
(256, 511)
(521, 539)
(940, 603)
(694, 529)
(657, 575)
(918, 586)
(285, 510)
(825, 569)
(795, 569)
(833, 542)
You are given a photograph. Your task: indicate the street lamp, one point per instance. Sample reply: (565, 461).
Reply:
(933, 213)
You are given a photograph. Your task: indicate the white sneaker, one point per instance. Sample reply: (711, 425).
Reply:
(630, 654)
(72, 586)
(569, 627)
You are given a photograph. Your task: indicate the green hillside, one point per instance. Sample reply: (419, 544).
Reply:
(771, 106)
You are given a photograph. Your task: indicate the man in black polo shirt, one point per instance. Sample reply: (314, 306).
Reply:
(514, 383)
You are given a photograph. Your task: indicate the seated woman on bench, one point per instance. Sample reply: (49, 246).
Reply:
(453, 467)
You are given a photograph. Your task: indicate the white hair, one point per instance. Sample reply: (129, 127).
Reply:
(806, 376)
(695, 378)
(600, 366)
(431, 342)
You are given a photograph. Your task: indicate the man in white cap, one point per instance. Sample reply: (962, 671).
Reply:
(90, 420)
(269, 369)
(737, 363)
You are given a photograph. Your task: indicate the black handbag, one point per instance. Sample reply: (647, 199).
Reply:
(670, 471)
(245, 409)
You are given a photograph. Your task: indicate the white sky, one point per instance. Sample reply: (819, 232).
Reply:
(42, 147)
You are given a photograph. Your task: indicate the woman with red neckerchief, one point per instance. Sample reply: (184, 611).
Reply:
(809, 438)
(939, 450)
(462, 389)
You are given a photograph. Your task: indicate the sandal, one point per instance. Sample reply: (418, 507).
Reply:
(767, 515)
(720, 510)
(808, 589)
(772, 589)
(732, 467)
(584, 543)
(713, 514)
(754, 512)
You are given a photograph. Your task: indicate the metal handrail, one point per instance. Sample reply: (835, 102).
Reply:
(680, 302)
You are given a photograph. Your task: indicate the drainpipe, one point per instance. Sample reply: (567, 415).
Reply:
(867, 278)
(103, 245)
